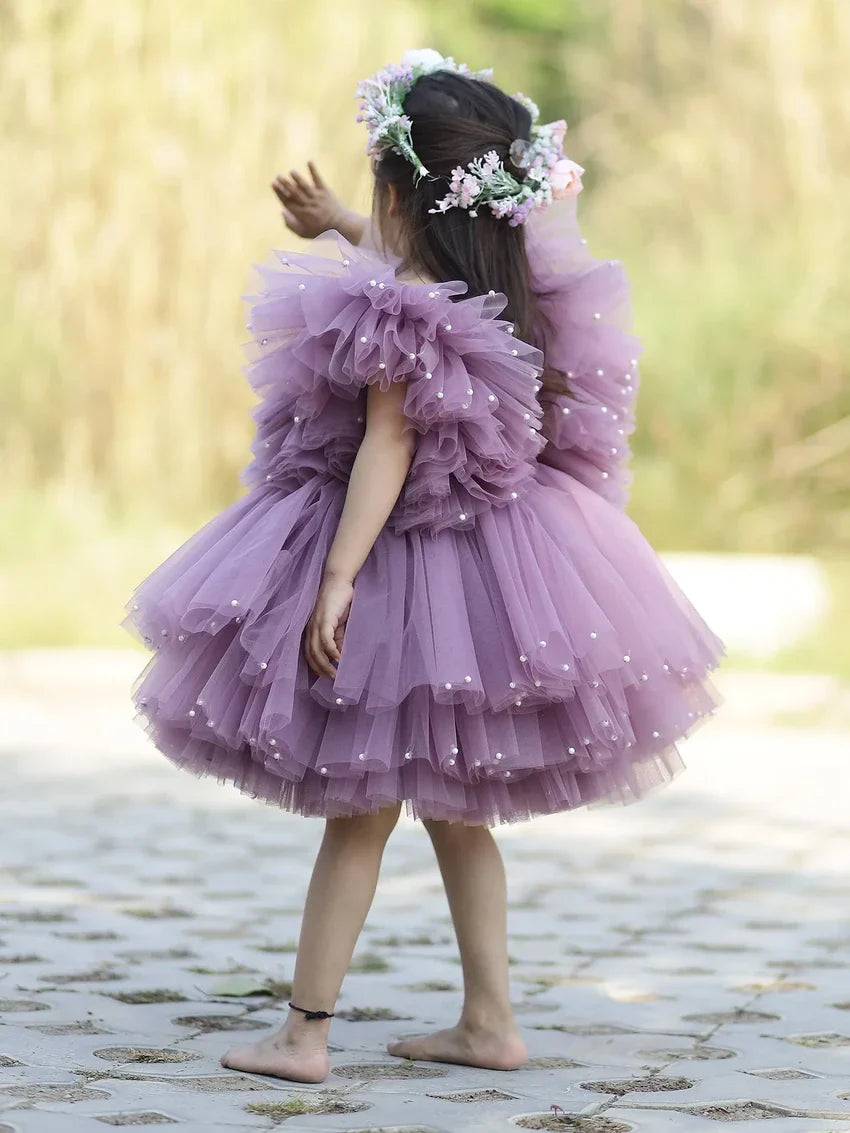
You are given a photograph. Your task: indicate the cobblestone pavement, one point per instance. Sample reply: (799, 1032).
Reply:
(677, 964)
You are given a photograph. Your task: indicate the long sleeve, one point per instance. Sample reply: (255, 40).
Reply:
(584, 315)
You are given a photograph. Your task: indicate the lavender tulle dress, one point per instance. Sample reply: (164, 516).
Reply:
(514, 646)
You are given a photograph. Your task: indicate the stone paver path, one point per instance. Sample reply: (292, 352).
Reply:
(678, 964)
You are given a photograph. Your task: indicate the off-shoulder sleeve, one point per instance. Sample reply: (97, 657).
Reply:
(324, 329)
(585, 316)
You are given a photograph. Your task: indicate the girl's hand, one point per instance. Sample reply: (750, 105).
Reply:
(326, 627)
(308, 209)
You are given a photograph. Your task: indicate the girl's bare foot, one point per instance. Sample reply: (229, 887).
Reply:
(282, 1056)
(492, 1050)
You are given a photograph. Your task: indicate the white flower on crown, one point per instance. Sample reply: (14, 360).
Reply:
(425, 57)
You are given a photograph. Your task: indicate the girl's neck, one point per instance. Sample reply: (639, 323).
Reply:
(411, 275)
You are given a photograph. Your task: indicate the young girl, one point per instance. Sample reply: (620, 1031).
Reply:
(430, 593)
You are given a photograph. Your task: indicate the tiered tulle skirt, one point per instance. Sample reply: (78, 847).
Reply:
(540, 661)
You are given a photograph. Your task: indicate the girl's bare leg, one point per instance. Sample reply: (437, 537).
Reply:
(341, 891)
(474, 876)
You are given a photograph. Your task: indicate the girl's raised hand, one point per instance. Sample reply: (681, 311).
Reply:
(309, 207)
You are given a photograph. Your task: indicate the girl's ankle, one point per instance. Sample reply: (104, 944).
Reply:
(306, 1033)
(488, 1018)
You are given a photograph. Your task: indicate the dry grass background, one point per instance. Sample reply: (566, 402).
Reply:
(139, 139)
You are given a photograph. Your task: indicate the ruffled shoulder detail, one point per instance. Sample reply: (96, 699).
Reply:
(327, 326)
(586, 313)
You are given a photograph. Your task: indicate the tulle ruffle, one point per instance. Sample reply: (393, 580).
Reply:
(538, 661)
(325, 329)
(584, 331)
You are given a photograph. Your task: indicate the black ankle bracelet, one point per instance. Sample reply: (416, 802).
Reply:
(313, 1014)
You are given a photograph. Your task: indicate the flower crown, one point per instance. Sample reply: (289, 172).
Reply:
(485, 180)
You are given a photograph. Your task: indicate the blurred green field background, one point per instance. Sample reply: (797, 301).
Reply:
(139, 139)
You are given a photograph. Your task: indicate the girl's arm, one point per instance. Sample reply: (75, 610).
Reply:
(311, 209)
(377, 477)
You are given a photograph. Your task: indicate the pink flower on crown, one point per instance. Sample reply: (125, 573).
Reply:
(559, 129)
(469, 190)
(565, 179)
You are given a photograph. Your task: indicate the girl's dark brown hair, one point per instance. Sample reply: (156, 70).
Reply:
(455, 119)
